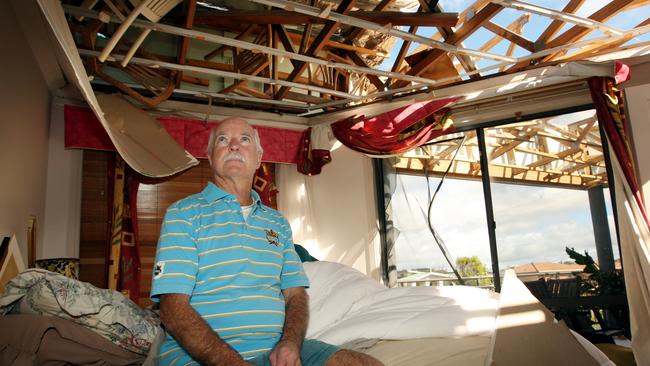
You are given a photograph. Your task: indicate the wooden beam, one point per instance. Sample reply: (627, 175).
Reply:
(338, 45)
(556, 24)
(467, 29)
(356, 31)
(576, 32)
(305, 98)
(510, 36)
(194, 80)
(219, 50)
(395, 18)
(282, 34)
(261, 65)
(317, 45)
(189, 21)
(603, 47)
(210, 65)
(253, 92)
(374, 79)
(403, 49)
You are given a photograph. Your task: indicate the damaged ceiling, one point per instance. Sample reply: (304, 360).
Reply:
(305, 58)
(304, 63)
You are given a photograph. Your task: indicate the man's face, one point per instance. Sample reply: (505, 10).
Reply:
(234, 154)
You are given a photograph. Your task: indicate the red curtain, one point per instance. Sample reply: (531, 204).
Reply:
(264, 185)
(83, 131)
(608, 101)
(396, 131)
(311, 160)
(123, 252)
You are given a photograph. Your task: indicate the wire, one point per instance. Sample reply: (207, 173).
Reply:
(438, 239)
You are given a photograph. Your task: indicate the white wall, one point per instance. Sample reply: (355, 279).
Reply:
(25, 104)
(63, 194)
(339, 222)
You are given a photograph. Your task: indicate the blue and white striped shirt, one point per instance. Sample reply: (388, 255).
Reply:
(234, 270)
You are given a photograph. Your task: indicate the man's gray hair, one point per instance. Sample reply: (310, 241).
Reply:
(213, 137)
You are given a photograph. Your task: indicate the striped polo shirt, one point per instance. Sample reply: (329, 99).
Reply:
(233, 269)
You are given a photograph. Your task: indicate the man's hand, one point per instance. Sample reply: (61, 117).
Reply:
(285, 353)
(194, 334)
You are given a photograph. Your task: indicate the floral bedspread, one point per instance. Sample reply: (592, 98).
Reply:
(107, 312)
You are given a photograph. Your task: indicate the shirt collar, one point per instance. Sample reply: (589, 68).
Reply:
(213, 193)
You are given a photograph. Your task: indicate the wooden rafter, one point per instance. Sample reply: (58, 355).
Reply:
(520, 152)
(461, 34)
(511, 36)
(219, 50)
(577, 32)
(516, 26)
(318, 44)
(600, 48)
(324, 69)
(396, 18)
(356, 31)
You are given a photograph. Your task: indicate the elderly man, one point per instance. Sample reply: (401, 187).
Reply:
(230, 284)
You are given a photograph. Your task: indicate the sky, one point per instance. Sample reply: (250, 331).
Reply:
(624, 21)
(533, 224)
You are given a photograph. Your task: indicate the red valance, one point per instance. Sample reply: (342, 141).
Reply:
(397, 131)
(83, 131)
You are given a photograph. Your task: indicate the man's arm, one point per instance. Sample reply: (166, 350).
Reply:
(194, 334)
(287, 351)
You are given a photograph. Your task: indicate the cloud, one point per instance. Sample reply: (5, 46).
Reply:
(533, 223)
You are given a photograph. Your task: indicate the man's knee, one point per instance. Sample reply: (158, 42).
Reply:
(347, 357)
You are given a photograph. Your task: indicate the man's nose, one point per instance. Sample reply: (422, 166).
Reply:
(233, 145)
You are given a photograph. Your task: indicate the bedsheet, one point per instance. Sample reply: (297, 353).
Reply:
(346, 305)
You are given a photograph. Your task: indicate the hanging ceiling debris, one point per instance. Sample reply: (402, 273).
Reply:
(310, 57)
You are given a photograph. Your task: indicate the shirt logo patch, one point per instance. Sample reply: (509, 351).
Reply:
(158, 270)
(272, 237)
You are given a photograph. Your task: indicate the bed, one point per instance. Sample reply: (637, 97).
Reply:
(447, 325)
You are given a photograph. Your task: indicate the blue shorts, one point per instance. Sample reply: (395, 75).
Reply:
(312, 353)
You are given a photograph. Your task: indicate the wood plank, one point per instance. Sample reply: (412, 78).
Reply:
(305, 98)
(317, 45)
(189, 21)
(556, 24)
(219, 50)
(574, 34)
(467, 29)
(510, 36)
(356, 31)
(282, 34)
(374, 79)
(577, 32)
(396, 18)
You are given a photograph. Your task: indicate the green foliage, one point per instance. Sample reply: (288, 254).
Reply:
(600, 282)
(472, 266)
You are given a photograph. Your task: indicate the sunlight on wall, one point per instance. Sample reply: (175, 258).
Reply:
(521, 318)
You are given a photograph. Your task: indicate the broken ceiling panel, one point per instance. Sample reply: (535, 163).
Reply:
(311, 57)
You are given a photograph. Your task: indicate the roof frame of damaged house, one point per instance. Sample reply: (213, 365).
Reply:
(314, 59)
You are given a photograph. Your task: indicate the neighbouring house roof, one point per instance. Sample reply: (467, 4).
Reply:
(547, 267)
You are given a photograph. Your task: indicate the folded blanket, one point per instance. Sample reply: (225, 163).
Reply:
(107, 312)
(346, 305)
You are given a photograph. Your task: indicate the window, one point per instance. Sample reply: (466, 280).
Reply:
(547, 181)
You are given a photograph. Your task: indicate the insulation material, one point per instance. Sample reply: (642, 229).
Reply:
(140, 141)
(143, 143)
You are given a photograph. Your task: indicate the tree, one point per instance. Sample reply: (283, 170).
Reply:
(472, 266)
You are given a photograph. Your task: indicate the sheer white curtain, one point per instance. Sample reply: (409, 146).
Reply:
(333, 214)
(635, 250)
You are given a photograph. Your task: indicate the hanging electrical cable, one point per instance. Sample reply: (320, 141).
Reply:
(438, 239)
